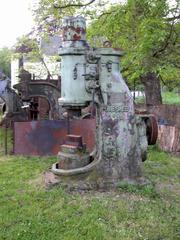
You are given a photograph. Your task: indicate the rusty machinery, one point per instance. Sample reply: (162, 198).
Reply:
(12, 103)
(92, 76)
(32, 91)
(32, 100)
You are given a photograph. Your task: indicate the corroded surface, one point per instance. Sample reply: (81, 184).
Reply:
(45, 137)
(94, 76)
(122, 134)
(41, 88)
(73, 29)
(13, 103)
(73, 153)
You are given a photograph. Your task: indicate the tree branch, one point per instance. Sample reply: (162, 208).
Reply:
(125, 69)
(106, 13)
(74, 5)
(155, 54)
(160, 77)
(173, 18)
(175, 12)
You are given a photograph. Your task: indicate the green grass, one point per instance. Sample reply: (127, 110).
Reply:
(30, 212)
(8, 133)
(167, 98)
(171, 98)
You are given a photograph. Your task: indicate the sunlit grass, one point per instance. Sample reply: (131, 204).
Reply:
(28, 211)
(170, 98)
(167, 98)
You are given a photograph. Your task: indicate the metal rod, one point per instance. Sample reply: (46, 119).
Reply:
(68, 123)
(92, 109)
(134, 93)
(5, 138)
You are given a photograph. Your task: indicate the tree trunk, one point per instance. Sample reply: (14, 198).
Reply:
(152, 88)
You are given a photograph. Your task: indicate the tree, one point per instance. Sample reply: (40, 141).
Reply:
(147, 31)
(5, 61)
(149, 37)
(47, 14)
(27, 48)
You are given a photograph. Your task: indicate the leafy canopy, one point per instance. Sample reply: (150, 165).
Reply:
(147, 30)
(5, 61)
(148, 36)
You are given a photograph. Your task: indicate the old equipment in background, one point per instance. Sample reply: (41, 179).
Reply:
(30, 99)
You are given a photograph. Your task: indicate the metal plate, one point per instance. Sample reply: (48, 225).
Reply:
(42, 138)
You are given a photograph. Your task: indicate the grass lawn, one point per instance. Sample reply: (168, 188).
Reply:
(171, 98)
(167, 98)
(30, 212)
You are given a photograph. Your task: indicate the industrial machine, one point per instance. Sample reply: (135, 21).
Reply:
(91, 77)
(11, 103)
(34, 91)
(32, 100)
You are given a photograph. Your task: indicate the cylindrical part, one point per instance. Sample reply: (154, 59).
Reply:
(73, 30)
(73, 90)
(73, 63)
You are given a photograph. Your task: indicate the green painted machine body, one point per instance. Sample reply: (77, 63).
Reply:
(93, 75)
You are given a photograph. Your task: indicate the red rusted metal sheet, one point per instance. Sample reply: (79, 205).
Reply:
(42, 138)
(86, 128)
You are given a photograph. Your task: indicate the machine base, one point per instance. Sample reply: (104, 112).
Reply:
(85, 182)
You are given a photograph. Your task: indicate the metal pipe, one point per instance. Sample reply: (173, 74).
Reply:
(71, 172)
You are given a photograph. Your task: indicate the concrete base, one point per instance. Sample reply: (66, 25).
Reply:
(83, 182)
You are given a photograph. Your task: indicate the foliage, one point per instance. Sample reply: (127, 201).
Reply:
(146, 30)
(47, 14)
(170, 75)
(147, 35)
(5, 61)
(28, 48)
(29, 211)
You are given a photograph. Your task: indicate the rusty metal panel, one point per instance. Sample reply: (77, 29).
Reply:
(85, 128)
(42, 138)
